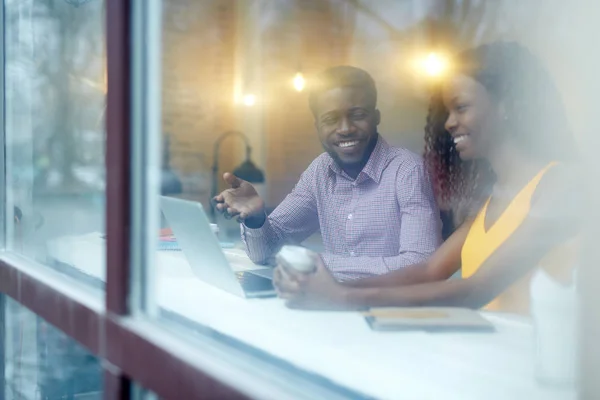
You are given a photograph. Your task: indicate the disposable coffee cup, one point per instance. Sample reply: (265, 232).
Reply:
(296, 258)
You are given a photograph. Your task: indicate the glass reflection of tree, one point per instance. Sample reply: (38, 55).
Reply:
(65, 70)
(77, 3)
(77, 82)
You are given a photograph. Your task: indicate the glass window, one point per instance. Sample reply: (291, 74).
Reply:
(55, 87)
(41, 362)
(235, 97)
(238, 87)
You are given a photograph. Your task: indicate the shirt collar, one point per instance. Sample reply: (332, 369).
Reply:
(374, 167)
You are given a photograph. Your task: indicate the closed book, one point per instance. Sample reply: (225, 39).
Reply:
(426, 318)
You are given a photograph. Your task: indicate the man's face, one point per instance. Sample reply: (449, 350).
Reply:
(346, 122)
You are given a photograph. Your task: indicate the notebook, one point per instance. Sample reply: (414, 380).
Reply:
(427, 318)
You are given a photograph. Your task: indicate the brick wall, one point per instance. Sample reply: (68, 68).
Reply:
(199, 67)
(198, 46)
(313, 35)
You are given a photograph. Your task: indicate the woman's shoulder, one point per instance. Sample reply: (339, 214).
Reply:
(559, 178)
(561, 192)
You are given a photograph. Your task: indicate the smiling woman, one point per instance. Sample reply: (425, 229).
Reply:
(497, 93)
(496, 107)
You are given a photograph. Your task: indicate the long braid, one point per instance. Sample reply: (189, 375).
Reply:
(459, 186)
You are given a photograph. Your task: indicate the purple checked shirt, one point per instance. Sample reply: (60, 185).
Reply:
(384, 220)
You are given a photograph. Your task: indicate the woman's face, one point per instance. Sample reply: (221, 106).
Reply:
(473, 117)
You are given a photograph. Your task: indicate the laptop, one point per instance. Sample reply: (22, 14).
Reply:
(202, 249)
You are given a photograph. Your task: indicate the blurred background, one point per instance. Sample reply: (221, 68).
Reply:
(231, 65)
(244, 65)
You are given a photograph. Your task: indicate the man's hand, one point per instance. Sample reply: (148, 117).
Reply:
(241, 201)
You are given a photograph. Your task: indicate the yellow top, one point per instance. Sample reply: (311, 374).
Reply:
(481, 244)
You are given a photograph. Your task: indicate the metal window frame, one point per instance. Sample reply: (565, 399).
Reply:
(2, 130)
(146, 149)
(133, 349)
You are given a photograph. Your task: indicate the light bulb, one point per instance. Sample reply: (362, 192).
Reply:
(249, 100)
(299, 82)
(434, 65)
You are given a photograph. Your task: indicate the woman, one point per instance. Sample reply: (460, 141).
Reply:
(498, 148)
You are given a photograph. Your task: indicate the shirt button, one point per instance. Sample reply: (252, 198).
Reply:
(350, 216)
(352, 254)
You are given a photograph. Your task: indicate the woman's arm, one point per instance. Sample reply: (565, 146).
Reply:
(319, 290)
(442, 264)
(515, 258)
(552, 220)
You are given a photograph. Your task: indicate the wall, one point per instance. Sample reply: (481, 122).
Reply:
(306, 35)
(198, 62)
(215, 50)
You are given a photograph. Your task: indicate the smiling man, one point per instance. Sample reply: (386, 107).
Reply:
(372, 203)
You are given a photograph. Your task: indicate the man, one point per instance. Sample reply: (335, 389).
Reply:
(373, 203)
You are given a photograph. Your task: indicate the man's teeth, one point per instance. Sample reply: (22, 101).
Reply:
(459, 139)
(348, 144)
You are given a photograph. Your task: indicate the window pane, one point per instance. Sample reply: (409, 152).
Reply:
(41, 362)
(235, 78)
(55, 88)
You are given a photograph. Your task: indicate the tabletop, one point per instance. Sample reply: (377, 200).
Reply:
(339, 345)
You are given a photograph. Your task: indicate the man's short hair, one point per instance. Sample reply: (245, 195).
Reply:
(338, 77)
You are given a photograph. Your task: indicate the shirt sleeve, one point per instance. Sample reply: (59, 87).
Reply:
(294, 220)
(420, 231)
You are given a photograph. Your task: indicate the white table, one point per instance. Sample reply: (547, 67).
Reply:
(390, 365)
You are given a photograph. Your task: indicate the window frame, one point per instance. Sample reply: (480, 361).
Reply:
(126, 342)
(108, 331)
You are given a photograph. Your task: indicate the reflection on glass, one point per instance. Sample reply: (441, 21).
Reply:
(55, 89)
(247, 67)
(41, 362)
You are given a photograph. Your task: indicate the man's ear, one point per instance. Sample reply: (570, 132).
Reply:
(377, 116)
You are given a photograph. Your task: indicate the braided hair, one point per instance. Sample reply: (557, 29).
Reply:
(535, 119)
